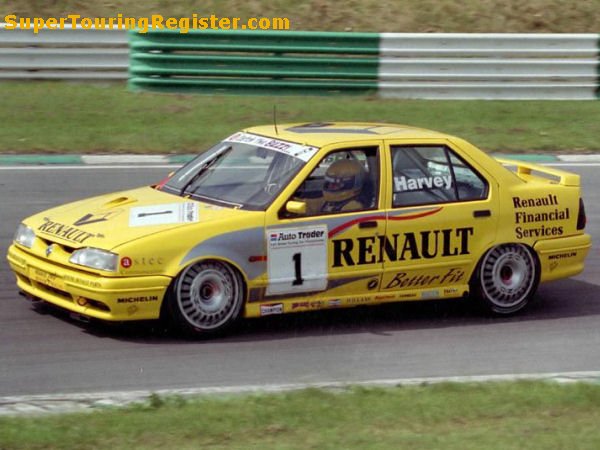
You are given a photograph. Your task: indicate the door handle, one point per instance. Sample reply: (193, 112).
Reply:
(482, 213)
(368, 224)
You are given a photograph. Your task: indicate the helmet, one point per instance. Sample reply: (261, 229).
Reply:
(343, 180)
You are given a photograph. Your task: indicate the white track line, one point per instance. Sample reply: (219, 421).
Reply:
(120, 159)
(92, 167)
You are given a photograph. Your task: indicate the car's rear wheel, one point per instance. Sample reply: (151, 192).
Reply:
(506, 279)
(206, 298)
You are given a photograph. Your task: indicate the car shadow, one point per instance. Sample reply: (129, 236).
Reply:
(556, 300)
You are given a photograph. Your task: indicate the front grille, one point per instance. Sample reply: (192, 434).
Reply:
(51, 290)
(65, 248)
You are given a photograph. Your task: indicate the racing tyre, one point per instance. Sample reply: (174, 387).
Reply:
(205, 299)
(506, 278)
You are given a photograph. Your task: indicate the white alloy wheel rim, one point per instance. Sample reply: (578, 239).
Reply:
(207, 295)
(508, 275)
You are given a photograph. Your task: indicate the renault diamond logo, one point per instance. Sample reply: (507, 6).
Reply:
(49, 249)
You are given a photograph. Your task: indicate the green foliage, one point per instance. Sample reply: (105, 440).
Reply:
(156, 401)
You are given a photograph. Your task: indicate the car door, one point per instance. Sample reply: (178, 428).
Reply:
(329, 250)
(441, 216)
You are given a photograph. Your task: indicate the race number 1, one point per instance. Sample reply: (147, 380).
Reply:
(297, 259)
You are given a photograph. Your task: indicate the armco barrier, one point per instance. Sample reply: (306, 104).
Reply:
(254, 62)
(395, 65)
(72, 53)
(489, 66)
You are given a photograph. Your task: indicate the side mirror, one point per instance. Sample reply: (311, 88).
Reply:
(295, 207)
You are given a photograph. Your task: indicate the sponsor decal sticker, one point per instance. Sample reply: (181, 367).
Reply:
(404, 280)
(126, 262)
(523, 216)
(563, 255)
(434, 293)
(97, 217)
(166, 214)
(148, 261)
(271, 309)
(300, 305)
(315, 304)
(142, 299)
(299, 151)
(298, 236)
(402, 246)
(404, 184)
(297, 259)
(49, 279)
(358, 300)
(76, 280)
(382, 298)
(67, 232)
(556, 259)
(521, 202)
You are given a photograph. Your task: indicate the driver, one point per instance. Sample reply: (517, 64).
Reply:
(344, 181)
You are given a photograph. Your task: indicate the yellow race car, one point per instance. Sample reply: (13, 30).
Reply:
(299, 217)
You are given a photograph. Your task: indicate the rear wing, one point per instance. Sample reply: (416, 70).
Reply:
(525, 169)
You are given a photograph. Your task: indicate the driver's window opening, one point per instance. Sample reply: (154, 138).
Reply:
(344, 181)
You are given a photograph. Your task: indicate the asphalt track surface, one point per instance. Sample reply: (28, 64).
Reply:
(44, 352)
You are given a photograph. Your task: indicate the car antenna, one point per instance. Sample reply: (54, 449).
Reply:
(275, 119)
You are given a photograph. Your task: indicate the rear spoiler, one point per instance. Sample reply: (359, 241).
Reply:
(525, 168)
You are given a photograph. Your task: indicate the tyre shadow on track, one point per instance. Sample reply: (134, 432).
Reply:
(556, 300)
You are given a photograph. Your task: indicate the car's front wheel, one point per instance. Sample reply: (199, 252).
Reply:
(206, 298)
(506, 278)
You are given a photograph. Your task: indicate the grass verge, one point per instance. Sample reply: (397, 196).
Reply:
(519, 415)
(56, 117)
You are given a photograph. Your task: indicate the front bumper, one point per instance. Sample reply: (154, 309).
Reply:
(105, 298)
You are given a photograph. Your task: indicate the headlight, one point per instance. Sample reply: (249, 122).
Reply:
(24, 236)
(95, 259)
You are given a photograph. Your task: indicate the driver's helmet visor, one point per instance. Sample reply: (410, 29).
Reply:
(337, 184)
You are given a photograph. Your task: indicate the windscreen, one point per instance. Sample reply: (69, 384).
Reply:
(244, 171)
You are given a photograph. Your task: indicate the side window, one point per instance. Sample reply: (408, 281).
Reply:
(343, 181)
(469, 184)
(425, 175)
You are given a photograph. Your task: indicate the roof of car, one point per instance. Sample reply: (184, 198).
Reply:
(323, 133)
